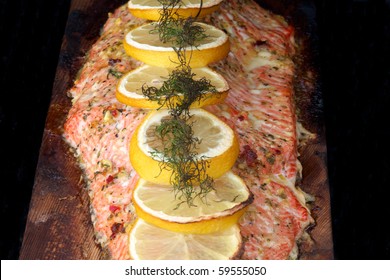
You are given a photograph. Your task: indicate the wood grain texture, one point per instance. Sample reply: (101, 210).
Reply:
(58, 224)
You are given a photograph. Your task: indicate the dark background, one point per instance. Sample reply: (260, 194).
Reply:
(354, 68)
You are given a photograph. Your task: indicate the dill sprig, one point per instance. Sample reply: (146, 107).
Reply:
(180, 90)
(189, 172)
(180, 32)
(178, 153)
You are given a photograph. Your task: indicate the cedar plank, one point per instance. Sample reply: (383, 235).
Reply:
(58, 224)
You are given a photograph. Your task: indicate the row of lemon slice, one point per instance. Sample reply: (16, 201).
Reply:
(163, 230)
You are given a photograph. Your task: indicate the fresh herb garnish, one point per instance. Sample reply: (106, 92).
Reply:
(189, 172)
(179, 91)
(181, 32)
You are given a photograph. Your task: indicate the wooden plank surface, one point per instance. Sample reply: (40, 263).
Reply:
(58, 224)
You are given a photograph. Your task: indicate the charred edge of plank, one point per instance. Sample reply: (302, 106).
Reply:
(81, 32)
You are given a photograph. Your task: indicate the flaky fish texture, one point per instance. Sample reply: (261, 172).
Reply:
(259, 107)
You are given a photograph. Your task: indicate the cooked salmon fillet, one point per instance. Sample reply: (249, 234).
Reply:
(259, 107)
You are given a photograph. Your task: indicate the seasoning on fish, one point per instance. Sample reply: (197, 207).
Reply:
(259, 108)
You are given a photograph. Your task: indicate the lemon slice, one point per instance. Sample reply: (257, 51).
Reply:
(147, 242)
(129, 88)
(145, 46)
(150, 9)
(219, 145)
(220, 209)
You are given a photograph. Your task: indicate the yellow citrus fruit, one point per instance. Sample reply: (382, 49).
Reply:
(129, 88)
(218, 210)
(219, 146)
(148, 242)
(144, 45)
(150, 9)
